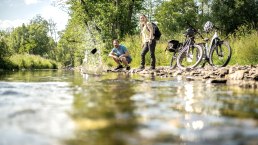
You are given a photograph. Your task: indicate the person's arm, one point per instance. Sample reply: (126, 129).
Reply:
(113, 55)
(126, 52)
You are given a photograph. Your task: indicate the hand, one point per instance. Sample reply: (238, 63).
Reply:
(116, 57)
(142, 45)
(150, 41)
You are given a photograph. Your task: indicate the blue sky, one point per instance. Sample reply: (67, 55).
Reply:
(15, 12)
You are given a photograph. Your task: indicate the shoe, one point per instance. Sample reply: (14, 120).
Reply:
(128, 68)
(119, 67)
(151, 68)
(141, 67)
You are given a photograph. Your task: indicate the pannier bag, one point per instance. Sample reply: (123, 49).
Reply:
(173, 45)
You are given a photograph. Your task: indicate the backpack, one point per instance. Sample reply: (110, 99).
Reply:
(156, 31)
(173, 45)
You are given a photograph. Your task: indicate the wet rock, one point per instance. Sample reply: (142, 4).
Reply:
(238, 75)
(248, 84)
(255, 77)
(217, 81)
(189, 78)
(224, 71)
(195, 73)
(243, 76)
(206, 77)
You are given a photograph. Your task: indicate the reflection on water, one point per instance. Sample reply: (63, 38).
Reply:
(66, 108)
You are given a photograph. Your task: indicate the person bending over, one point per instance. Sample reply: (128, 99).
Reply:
(120, 55)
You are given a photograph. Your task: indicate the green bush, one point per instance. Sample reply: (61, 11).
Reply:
(26, 61)
(245, 49)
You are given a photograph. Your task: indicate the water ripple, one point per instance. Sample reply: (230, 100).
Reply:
(35, 113)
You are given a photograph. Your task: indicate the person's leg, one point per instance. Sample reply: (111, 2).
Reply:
(125, 62)
(117, 61)
(152, 46)
(144, 51)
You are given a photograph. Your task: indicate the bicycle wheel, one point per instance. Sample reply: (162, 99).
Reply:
(173, 63)
(220, 54)
(190, 57)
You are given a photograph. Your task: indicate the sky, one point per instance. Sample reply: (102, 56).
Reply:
(15, 12)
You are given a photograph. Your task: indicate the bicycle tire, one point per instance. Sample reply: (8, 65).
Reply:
(220, 54)
(173, 62)
(196, 57)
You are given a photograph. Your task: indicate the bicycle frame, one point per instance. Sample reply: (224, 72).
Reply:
(188, 43)
(190, 54)
(209, 45)
(218, 47)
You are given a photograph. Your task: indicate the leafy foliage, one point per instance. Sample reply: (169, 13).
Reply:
(94, 24)
(230, 14)
(174, 16)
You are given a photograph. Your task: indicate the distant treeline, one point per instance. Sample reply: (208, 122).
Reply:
(93, 24)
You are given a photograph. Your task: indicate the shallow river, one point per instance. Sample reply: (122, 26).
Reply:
(66, 108)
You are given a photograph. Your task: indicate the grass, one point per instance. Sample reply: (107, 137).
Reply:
(133, 44)
(26, 61)
(244, 49)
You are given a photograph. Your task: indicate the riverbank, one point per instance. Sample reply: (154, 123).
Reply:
(242, 76)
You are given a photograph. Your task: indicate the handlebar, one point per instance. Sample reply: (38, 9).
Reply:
(195, 30)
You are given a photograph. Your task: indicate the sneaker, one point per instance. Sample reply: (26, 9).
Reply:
(151, 68)
(141, 67)
(119, 67)
(128, 68)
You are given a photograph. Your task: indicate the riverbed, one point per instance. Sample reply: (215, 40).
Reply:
(57, 107)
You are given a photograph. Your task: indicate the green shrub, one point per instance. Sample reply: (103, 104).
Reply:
(245, 49)
(26, 61)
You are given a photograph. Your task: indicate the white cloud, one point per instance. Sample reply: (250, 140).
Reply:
(47, 12)
(29, 2)
(57, 15)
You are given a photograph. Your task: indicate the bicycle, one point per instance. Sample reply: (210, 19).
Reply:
(217, 52)
(190, 54)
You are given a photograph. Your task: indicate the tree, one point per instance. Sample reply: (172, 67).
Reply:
(111, 18)
(5, 51)
(230, 14)
(174, 16)
(32, 39)
(149, 8)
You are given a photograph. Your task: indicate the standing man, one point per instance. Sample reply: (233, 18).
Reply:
(120, 54)
(148, 42)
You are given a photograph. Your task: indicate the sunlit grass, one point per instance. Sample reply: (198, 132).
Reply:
(134, 45)
(244, 49)
(26, 61)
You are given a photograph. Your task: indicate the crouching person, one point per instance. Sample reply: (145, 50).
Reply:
(120, 55)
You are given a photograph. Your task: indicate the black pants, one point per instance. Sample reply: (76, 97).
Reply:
(149, 47)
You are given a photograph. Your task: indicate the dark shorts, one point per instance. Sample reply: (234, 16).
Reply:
(128, 59)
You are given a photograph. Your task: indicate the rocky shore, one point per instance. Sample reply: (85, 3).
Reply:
(242, 76)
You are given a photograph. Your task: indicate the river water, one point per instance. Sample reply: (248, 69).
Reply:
(54, 107)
